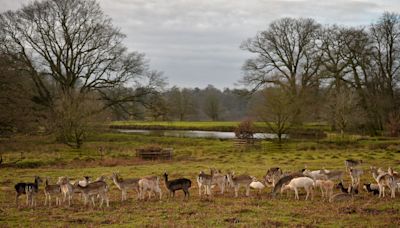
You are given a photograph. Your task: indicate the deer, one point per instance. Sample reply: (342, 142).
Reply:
(67, 188)
(91, 190)
(219, 180)
(300, 182)
(126, 184)
(384, 180)
(351, 163)
(355, 175)
(49, 190)
(273, 175)
(205, 180)
(30, 189)
(150, 184)
(237, 181)
(177, 184)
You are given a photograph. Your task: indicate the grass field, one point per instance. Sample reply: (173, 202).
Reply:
(201, 125)
(41, 156)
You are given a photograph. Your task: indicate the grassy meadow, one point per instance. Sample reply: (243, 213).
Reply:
(201, 125)
(41, 156)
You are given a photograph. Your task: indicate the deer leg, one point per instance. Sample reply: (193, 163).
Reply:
(94, 204)
(236, 190)
(101, 200)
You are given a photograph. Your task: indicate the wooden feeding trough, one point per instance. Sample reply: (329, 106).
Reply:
(154, 153)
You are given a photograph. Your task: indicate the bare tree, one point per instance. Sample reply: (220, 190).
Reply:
(288, 56)
(73, 117)
(212, 104)
(278, 110)
(181, 103)
(71, 46)
(156, 107)
(17, 112)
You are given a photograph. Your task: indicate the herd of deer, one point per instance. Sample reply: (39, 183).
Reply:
(275, 178)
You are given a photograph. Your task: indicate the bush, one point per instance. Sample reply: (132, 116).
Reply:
(245, 130)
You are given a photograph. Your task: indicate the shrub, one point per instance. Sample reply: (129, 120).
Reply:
(245, 130)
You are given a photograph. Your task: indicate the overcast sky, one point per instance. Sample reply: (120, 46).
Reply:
(196, 42)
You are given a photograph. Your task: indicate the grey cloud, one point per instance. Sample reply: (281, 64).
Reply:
(197, 42)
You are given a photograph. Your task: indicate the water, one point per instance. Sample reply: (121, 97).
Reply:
(195, 134)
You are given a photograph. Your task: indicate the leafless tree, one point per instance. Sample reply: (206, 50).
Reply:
(212, 104)
(71, 46)
(181, 103)
(18, 114)
(278, 110)
(287, 55)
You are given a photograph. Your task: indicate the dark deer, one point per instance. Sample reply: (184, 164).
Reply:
(30, 189)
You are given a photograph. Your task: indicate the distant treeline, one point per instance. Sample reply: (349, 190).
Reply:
(189, 104)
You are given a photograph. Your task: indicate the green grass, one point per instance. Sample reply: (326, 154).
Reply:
(41, 156)
(201, 125)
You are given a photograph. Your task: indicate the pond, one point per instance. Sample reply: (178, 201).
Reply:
(195, 134)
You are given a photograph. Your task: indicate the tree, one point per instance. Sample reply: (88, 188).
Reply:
(278, 110)
(69, 47)
(73, 117)
(211, 104)
(288, 56)
(156, 107)
(18, 114)
(245, 130)
(181, 103)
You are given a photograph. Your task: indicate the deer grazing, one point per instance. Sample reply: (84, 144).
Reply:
(255, 184)
(284, 180)
(237, 181)
(30, 189)
(300, 182)
(177, 184)
(126, 184)
(50, 190)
